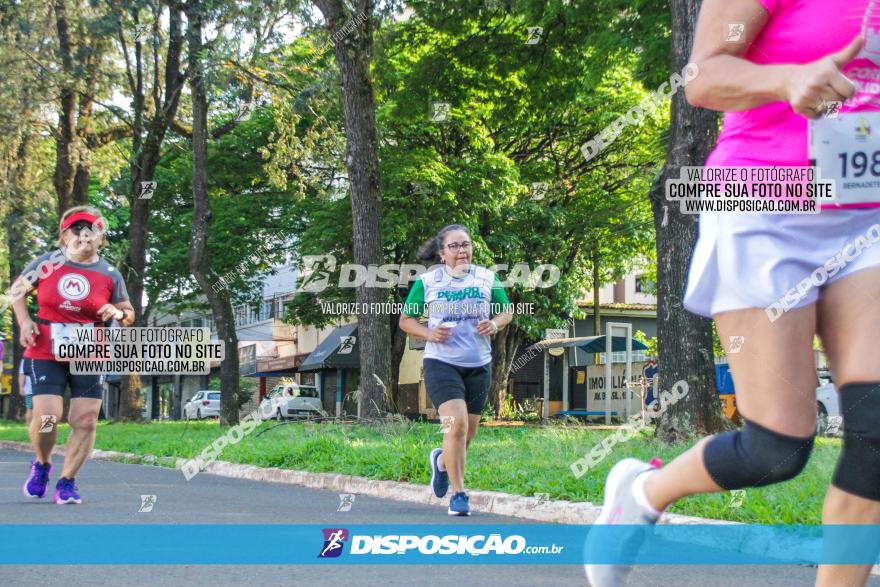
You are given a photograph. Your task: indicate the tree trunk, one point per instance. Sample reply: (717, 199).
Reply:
(129, 407)
(176, 399)
(504, 348)
(147, 151)
(65, 167)
(684, 339)
(597, 306)
(354, 47)
(72, 161)
(15, 407)
(18, 258)
(199, 261)
(398, 347)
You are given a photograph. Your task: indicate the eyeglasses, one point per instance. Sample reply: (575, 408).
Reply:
(455, 246)
(80, 226)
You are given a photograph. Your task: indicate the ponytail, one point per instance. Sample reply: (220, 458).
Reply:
(429, 252)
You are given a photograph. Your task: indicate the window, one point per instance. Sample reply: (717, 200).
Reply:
(620, 357)
(213, 396)
(241, 314)
(644, 285)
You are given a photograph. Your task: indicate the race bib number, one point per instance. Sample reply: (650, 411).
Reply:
(63, 333)
(846, 149)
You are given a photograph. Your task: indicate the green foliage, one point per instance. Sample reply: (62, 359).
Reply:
(518, 116)
(651, 343)
(717, 347)
(519, 113)
(488, 414)
(247, 388)
(251, 223)
(524, 412)
(508, 408)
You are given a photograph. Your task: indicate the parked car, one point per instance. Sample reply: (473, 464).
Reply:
(204, 404)
(292, 400)
(828, 418)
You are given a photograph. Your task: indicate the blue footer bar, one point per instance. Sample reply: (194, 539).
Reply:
(519, 544)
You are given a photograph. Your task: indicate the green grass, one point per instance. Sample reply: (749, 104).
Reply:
(522, 460)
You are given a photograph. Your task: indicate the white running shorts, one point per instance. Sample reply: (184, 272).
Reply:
(777, 261)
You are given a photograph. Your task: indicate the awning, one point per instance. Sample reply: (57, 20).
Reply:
(340, 350)
(280, 367)
(589, 344)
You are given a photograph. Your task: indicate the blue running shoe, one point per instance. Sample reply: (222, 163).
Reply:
(65, 492)
(439, 479)
(38, 481)
(458, 505)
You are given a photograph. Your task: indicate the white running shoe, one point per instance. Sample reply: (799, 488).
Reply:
(620, 507)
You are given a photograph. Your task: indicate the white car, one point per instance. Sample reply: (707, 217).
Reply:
(204, 404)
(828, 419)
(292, 400)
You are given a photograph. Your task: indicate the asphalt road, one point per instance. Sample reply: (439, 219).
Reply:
(111, 495)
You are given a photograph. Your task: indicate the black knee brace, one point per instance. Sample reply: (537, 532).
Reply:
(858, 469)
(755, 456)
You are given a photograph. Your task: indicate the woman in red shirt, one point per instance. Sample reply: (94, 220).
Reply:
(74, 287)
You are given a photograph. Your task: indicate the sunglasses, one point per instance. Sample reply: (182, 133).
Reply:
(80, 226)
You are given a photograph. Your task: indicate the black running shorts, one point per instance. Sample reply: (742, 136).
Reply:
(447, 382)
(52, 377)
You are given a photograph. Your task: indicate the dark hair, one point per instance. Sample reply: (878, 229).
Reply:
(429, 253)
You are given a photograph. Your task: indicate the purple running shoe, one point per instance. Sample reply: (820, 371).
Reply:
(36, 483)
(65, 492)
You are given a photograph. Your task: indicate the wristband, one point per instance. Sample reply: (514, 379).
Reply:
(495, 325)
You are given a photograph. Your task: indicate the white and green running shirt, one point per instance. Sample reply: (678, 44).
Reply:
(463, 301)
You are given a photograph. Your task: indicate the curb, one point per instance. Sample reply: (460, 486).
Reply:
(101, 455)
(490, 502)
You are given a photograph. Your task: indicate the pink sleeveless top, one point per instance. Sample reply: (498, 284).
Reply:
(797, 32)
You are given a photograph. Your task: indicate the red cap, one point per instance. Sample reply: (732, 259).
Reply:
(74, 218)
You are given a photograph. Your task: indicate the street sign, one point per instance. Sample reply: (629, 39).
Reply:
(553, 333)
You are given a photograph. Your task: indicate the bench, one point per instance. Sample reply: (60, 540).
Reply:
(582, 413)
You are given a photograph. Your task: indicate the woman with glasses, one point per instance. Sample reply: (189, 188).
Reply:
(77, 288)
(458, 297)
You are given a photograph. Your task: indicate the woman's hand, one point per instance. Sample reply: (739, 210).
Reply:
(110, 312)
(487, 327)
(809, 87)
(439, 334)
(29, 332)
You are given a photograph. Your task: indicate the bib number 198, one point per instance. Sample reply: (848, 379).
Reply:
(846, 150)
(859, 163)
